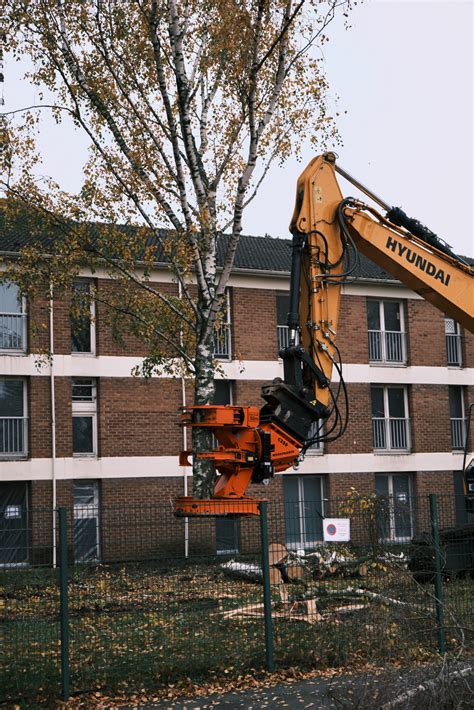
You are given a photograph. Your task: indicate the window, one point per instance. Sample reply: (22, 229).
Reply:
(222, 335)
(453, 342)
(317, 430)
(304, 510)
(13, 420)
(13, 523)
(394, 507)
(387, 341)
(12, 318)
(457, 415)
(282, 306)
(86, 521)
(390, 423)
(84, 417)
(82, 319)
(222, 392)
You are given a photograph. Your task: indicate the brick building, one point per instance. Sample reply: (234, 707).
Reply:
(112, 439)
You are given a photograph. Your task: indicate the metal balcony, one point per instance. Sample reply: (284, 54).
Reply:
(453, 349)
(13, 436)
(222, 342)
(283, 337)
(391, 434)
(13, 331)
(387, 346)
(458, 432)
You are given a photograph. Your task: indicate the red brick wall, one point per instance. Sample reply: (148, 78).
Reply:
(340, 484)
(426, 337)
(139, 418)
(38, 326)
(468, 348)
(254, 324)
(62, 325)
(441, 483)
(358, 435)
(352, 338)
(429, 418)
(128, 344)
(254, 328)
(39, 413)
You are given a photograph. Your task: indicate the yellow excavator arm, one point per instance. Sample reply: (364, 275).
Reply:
(329, 232)
(329, 227)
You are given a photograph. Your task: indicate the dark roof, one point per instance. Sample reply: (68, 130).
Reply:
(271, 254)
(265, 254)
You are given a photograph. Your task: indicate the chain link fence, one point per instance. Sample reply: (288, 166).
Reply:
(138, 598)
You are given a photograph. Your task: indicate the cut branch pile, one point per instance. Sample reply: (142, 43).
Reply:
(298, 567)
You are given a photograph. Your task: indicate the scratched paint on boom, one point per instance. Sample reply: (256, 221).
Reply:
(418, 260)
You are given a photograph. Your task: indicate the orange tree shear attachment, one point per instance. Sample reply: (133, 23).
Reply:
(246, 452)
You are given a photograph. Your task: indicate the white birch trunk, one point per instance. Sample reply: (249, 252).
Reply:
(204, 472)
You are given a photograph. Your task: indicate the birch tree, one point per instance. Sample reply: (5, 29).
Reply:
(186, 104)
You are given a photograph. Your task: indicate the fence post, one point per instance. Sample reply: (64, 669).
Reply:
(64, 604)
(267, 595)
(438, 581)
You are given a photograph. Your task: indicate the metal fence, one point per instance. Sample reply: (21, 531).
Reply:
(391, 433)
(387, 346)
(283, 336)
(12, 331)
(222, 341)
(454, 349)
(175, 598)
(13, 436)
(458, 432)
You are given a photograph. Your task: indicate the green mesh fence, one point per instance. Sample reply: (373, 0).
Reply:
(29, 606)
(154, 599)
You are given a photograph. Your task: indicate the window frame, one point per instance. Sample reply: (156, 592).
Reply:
(387, 417)
(24, 330)
(25, 527)
(304, 543)
(91, 511)
(25, 418)
(92, 327)
(227, 325)
(89, 409)
(317, 449)
(384, 362)
(457, 336)
(462, 419)
(391, 501)
(283, 326)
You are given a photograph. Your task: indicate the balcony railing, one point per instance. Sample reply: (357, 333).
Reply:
(391, 434)
(283, 337)
(12, 331)
(222, 342)
(453, 349)
(387, 346)
(13, 436)
(458, 432)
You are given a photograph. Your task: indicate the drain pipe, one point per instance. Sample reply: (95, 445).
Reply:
(185, 471)
(185, 444)
(53, 417)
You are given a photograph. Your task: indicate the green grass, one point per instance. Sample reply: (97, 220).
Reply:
(147, 626)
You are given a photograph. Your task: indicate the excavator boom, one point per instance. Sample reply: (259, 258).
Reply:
(329, 231)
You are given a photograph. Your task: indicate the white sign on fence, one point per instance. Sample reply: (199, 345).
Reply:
(337, 529)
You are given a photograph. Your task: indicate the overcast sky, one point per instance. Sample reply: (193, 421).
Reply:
(404, 74)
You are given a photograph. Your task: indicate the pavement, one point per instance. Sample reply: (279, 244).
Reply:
(346, 692)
